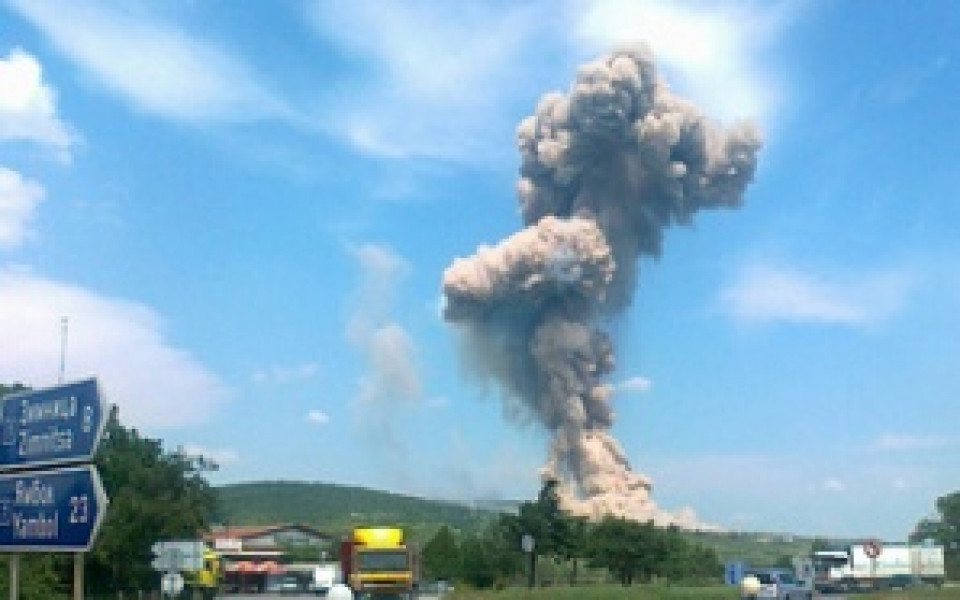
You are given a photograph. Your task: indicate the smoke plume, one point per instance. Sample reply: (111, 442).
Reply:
(605, 169)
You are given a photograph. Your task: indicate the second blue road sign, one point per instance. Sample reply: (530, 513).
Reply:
(58, 510)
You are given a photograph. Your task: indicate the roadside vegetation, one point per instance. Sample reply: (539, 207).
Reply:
(664, 592)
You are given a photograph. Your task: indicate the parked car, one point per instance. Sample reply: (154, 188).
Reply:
(774, 584)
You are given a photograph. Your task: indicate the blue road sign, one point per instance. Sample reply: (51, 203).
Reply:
(58, 510)
(57, 425)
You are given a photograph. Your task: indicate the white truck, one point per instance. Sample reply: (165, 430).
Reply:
(872, 565)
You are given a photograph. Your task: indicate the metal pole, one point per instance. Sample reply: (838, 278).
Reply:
(14, 576)
(63, 348)
(78, 576)
(533, 570)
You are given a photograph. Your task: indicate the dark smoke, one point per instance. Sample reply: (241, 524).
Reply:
(605, 170)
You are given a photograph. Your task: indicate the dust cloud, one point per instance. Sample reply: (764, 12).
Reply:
(605, 169)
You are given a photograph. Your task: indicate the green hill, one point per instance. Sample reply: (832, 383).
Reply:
(338, 508)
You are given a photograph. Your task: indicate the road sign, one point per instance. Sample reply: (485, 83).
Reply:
(873, 548)
(178, 555)
(57, 425)
(57, 510)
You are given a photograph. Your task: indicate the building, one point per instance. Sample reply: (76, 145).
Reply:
(268, 557)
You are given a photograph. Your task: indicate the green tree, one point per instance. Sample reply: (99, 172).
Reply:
(489, 558)
(623, 547)
(154, 495)
(555, 533)
(635, 551)
(944, 529)
(441, 556)
(819, 544)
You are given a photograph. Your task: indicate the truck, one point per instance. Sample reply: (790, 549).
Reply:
(204, 583)
(377, 562)
(873, 565)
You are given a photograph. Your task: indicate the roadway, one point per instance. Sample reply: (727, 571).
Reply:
(289, 596)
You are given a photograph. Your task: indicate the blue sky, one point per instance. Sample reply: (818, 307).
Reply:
(245, 213)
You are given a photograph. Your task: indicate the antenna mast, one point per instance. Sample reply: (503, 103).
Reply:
(63, 347)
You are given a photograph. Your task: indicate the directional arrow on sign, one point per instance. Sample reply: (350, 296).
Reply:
(58, 510)
(57, 425)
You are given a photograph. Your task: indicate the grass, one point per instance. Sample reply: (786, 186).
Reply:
(677, 592)
(604, 592)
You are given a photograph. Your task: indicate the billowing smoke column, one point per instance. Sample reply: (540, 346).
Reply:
(605, 169)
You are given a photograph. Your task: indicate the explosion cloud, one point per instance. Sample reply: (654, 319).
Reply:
(605, 169)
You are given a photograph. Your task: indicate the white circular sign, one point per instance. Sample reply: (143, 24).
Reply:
(527, 543)
(171, 584)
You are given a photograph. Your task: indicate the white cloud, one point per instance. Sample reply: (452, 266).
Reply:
(635, 385)
(833, 484)
(381, 271)
(221, 456)
(393, 375)
(438, 402)
(436, 73)
(154, 65)
(120, 342)
(766, 294)
(282, 375)
(714, 48)
(318, 417)
(28, 105)
(19, 199)
(391, 381)
(899, 442)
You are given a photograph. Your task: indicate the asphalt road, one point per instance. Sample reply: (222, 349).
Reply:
(300, 597)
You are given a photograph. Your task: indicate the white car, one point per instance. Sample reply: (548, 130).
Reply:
(773, 584)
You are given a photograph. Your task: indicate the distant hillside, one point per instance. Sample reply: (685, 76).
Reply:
(337, 508)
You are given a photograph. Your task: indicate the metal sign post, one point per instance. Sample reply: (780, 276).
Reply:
(527, 544)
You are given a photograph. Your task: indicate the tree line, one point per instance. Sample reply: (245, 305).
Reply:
(631, 551)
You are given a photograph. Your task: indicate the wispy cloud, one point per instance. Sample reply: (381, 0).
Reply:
(28, 108)
(715, 49)
(833, 484)
(156, 66)
(767, 294)
(433, 74)
(282, 375)
(121, 342)
(634, 385)
(391, 381)
(904, 442)
(318, 417)
(19, 199)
